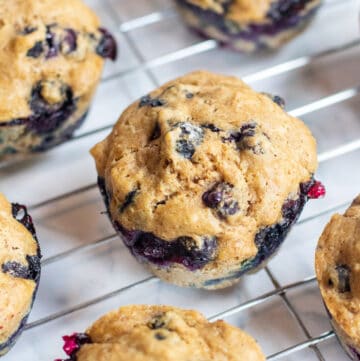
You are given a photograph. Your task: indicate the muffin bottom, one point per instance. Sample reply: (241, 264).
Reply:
(17, 141)
(249, 38)
(268, 241)
(352, 350)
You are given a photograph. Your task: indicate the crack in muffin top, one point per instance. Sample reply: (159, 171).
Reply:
(338, 269)
(167, 334)
(29, 32)
(205, 155)
(17, 286)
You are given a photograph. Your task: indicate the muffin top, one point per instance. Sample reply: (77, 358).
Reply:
(338, 269)
(205, 157)
(245, 11)
(163, 333)
(56, 44)
(19, 266)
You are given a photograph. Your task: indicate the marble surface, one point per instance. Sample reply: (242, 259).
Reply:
(107, 267)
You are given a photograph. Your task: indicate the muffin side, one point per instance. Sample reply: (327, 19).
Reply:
(338, 273)
(19, 273)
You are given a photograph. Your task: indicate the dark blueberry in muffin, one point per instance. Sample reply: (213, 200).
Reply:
(28, 30)
(52, 45)
(247, 130)
(20, 213)
(107, 46)
(17, 270)
(160, 336)
(36, 51)
(276, 99)
(48, 117)
(285, 9)
(211, 127)
(151, 102)
(343, 273)
(157, 322)
(221, 198)
(190, 137)
(69, 41)
(128, 200)
(183, 250)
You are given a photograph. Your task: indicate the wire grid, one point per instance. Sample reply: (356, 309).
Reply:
(146, 68)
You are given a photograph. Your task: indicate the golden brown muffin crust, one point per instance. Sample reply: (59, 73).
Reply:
(339, 245)
(19, 72)
(163, 333)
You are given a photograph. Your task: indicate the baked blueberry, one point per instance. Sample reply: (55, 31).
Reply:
(19, 271)
(161, 333)
(215, 193)
(50, 70)
(338, 273)
(188, 137)
(249, 25)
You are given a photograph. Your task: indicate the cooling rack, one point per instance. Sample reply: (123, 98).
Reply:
(86, 269)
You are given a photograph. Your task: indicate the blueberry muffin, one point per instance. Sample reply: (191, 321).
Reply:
(249, 25)
(160, 333)
(51, 59)
(204, 177)
(19, 270)
(337, 264)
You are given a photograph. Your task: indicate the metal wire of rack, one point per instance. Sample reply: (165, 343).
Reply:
(147, 67)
